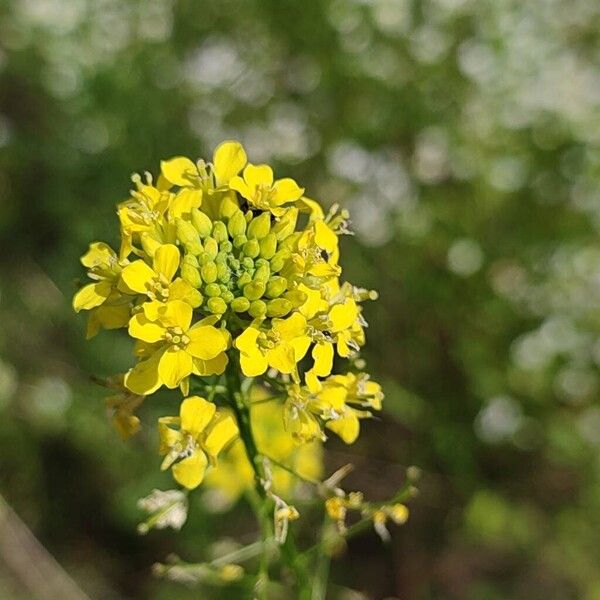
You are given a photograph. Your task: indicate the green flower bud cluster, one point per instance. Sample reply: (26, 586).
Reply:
(236, 261)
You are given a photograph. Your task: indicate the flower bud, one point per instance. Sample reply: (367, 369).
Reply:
(227, 208)
(278, 261)
(190, 259)
(296, 297)
(244, 279)
(278, 307)
(252, 248)
(221, 258)
(247, 263)
(201, 222)
(226, 246)
(268, 246)
(188, 236)
(216, 306)
(240, 304)
(276, 287)
(191, 274)
(209, 272)
(239, 241)
(203, 258)
(237, 224)
(149, 244)
(211, 246)
(227, 296)
(286, 225)
(219, 231)
(260, 226)
(257, 309)
(254, 290)
(262, 274)
(212, 290)
(223, 272)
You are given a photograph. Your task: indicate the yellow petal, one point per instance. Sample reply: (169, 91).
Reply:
(282, 357)
(241, 187)
(347, 428)
(312, 382)
(343, 315)
(178, 170)
(300, 345)
(141, 328)
(98, 254)
(228, 160)
(323, 355)
(257, 175)
(325, 238)
(214, 366)
(143, 378)
(174, 365)
(183, 203)
(196, 413)
(286, 190)
(313, 303)
(91, 295)
(166, 261)
(253, 364)
(137, 276)
(206, 342)
(190, 471)
(182, 290)
(293, 326)
(220, 435)
(113, 317)
(176, 314)
(246, 341)
(168, 437)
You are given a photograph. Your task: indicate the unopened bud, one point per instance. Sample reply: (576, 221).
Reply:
(227, 208)
(276, 287)
(254, 290)
(278, 307)
(244, 279)
(257, 309)
(268, 246)
(262, 274)
(223, 272)
(209, 272)
(239, 241)
(296, 297)
(240, 304)
(237, 224)
(227, 296)
(191, 275)
(216, 306)
(260, 226)
(252, 248)
(201, 222)
(212, 290)
(226, 246)
(190, 259)
(286, 225)
(219, 232)
(212, 247)
(188, 236)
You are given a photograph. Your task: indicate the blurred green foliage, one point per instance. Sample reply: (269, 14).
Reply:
(462, 135)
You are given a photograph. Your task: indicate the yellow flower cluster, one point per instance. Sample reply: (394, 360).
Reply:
(220, 262)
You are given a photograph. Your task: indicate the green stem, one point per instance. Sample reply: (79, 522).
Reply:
(240, 402)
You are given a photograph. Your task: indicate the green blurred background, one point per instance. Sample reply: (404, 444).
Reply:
(463, 135)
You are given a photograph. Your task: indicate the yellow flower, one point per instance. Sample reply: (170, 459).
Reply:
(280, 347)
(234, 473)
(334, 402)
(258, 187)
(110, 309)
(143, 214)
(180, 349)
(202, 434)
(157, 282)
